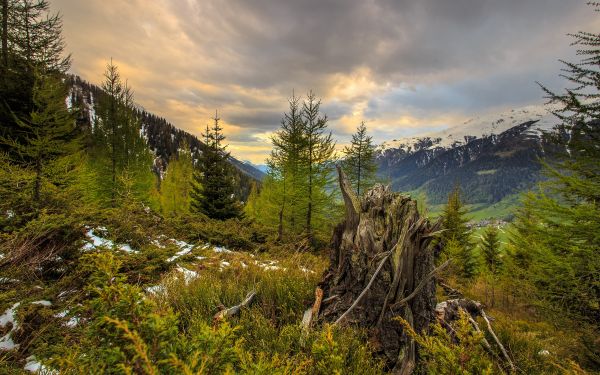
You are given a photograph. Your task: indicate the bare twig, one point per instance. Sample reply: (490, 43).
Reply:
(502, 349)
(362, 294)
(421, 285)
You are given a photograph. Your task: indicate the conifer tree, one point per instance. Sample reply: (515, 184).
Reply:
(319, 154)
(213, 194)
(359, 162)
(119, 152)
(287, 165)
(456, 237)
(31, 42)
(490, 249)
(176, 186)
(556, 242)
(48, 133)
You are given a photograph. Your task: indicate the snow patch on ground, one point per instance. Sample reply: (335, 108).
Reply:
(6, 341)
(185, 248)
(42, 302)
(34, 366)
(95, 241)
(270, 265)
(188, 275)
(221, 249)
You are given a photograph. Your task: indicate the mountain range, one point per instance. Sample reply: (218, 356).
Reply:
(492, 158)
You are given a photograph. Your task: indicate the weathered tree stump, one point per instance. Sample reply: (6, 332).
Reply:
(382, 267)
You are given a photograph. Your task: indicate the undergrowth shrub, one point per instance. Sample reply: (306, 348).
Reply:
(444, 354)
(124, 331)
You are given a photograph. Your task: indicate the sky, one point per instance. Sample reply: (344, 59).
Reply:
(404, 67)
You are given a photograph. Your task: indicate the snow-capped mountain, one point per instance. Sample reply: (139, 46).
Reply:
(478, 127)
(491, 157)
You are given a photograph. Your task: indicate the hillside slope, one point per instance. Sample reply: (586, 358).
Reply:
(164, 139)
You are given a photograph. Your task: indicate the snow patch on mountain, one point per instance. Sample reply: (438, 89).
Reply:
(478, 127)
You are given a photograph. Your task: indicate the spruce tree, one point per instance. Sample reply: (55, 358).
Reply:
(31, 42)
(359, 161)
(456, 237)
(490, 249)
(48, 132)
(213, 194)
(318, 157)
(555, 242)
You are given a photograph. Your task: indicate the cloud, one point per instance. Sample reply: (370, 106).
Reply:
(401, 65)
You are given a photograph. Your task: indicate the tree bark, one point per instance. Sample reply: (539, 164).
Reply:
(5, 33)
(382, 266)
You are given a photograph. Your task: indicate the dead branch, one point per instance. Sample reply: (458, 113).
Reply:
(234, 310)
(361, 295)
(502, 349)
(311, 314)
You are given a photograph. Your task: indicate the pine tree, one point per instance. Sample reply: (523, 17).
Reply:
(456, 237)
(213, 194)
(319, 154)
(359, 162)
(48, 133)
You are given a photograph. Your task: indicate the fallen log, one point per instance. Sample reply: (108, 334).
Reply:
(381, 267)
(226, 313)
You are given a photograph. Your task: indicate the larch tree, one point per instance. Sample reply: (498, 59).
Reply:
(176, 186)
(287, 165)
(359, 160)
(120, 153)
(318, 157)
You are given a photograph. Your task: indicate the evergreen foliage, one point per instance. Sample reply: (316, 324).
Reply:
(176, 186)
(555, 242)
(213, 192)
(490, 249)
(32, 44)
(297, 196)
(359, 161)
(47, 133)
(120, 156)
(456, 237)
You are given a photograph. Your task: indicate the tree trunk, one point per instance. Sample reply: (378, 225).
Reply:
(382, 266)
(5, 33)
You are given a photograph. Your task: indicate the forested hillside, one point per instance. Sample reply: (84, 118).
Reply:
(128, 246)
(487, 168)
(163, 138)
